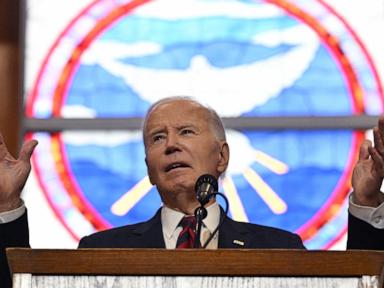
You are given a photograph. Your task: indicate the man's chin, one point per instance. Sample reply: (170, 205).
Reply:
(178, 185)
(183, 186)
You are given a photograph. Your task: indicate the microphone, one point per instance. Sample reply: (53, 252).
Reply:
(205, 185)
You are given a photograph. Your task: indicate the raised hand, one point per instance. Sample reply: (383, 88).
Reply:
(368, 173)
(13, 174)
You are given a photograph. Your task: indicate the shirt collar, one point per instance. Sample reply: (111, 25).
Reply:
(170, 219)
(213, 217)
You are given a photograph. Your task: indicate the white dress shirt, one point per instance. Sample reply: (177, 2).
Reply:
(12, 215)
(170, 220)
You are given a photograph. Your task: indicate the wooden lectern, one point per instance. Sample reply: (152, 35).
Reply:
(115, 268)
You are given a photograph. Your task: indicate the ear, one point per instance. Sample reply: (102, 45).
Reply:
(224, 158)
(149, 171)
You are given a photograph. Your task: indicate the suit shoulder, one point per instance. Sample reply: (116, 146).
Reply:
(110, 238)
(146, 234)
(267, 229)
(273, 237)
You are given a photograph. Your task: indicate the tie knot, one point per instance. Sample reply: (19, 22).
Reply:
(188, 221)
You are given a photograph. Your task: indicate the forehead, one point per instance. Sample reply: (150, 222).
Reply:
(177, 112)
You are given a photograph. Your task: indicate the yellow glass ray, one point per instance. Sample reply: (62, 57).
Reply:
(271, 163)
(274, 202)
(236, 206)
(132, 197)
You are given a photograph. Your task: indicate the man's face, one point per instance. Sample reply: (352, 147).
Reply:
(181, 146)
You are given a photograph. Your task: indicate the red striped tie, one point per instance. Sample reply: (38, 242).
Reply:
(187, 235)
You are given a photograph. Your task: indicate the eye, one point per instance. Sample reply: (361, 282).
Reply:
(157, 138)
(187, 131)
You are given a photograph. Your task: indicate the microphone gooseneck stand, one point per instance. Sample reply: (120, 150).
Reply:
(201, 213)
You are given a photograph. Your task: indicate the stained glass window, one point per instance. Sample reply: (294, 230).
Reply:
(289, 65)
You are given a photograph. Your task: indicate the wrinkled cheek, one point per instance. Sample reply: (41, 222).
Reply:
(152, 174)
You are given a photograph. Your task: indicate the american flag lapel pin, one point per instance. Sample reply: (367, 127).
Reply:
(238, 242)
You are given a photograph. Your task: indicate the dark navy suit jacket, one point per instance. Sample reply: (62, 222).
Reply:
(362, 235)
(149, 234)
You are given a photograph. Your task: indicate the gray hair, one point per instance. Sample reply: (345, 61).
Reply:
(217, 124)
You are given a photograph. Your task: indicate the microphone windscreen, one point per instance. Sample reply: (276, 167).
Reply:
(205, 185)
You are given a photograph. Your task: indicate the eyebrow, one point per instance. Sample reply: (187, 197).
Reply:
(156, 131)
(187, 125)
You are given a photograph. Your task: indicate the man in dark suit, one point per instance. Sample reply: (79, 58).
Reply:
(183, 140)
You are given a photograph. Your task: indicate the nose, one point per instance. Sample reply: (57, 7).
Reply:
(172, 144)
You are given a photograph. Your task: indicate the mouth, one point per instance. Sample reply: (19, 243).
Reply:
(176, 165)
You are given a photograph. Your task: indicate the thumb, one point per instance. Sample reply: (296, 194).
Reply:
(27, 150)
(364, 153)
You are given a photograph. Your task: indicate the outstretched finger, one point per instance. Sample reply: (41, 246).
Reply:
(378, 140)
(380, 129)
(3, 147)
(27, 150)
(377, 160)
(363, 152)
(381, 124)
